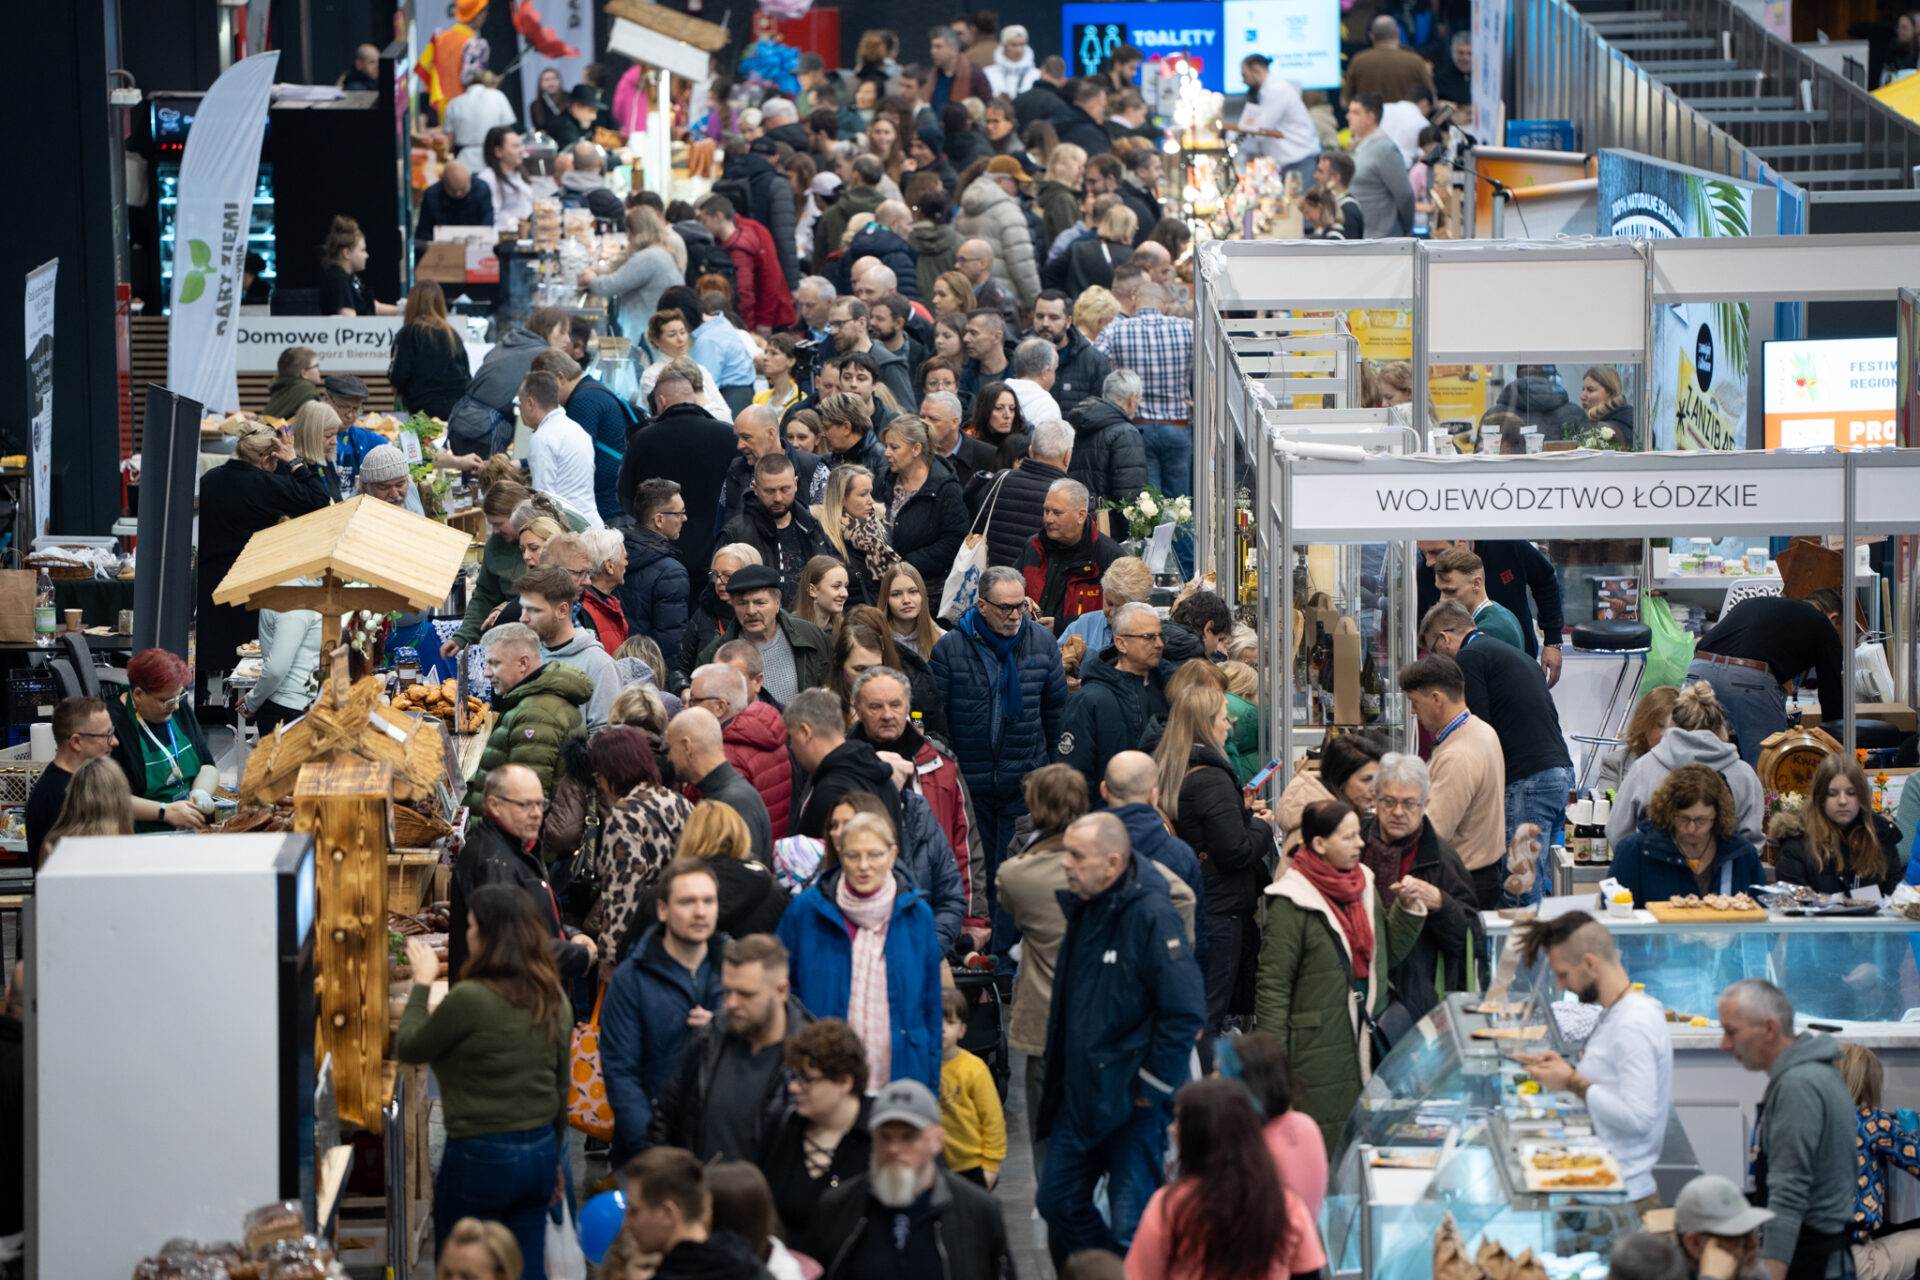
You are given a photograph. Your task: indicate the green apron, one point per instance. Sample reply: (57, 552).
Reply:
(169, 765)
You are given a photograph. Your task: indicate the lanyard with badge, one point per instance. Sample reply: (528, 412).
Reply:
(172, 749)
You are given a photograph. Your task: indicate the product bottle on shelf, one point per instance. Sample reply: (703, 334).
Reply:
(43, 613)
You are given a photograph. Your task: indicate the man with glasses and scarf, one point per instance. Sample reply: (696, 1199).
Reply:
(503, 848)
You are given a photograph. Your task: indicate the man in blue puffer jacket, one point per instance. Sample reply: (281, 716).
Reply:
(1128, 1001)
(1121, 690)
(1132, 792)
(999, 673)
(673, 970)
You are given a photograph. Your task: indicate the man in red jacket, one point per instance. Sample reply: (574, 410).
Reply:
(752, 735)
(760, 291)
(883, 708)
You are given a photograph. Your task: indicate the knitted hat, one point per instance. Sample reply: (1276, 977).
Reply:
(383, 462)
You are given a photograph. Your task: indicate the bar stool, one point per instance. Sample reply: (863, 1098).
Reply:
(1631, 641)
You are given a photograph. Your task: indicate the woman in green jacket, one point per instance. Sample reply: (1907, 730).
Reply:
(1330, 939)
(499, 1045)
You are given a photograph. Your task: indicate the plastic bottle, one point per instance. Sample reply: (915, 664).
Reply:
(43, 611)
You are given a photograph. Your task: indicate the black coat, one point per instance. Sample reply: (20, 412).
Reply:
(1232, 843)
(491, 856)
(656, 591)
(851, 766)
(876, 241)
(1082, 130)
(438, 209)
(1145, 207)
(1453, 934)
(429, 372)
(810, 484)
(725, 785)
(1016, 508)
(1092, 262)
(1041, 102)
(1795, 863)
(711, 617)
(964, 1222)
(931, 524)
(688, 445)
(783, 1159)
(238, 500)
(1081, 375)
(1109, 455)
(755, 527)
(686, 1101)
(1108, 714)
(966, 147)
(971, 457)
(721, 1256)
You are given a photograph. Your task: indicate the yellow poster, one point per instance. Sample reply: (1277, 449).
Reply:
(1383, 335)
(1458, 391)
(1698, 420)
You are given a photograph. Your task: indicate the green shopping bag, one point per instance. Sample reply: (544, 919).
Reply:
(1671, 650)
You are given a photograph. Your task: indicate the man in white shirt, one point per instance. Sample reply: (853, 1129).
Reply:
(1404, 121)
(561, 454)
(1275, 103)
(1034, 364)
(1625, 1074)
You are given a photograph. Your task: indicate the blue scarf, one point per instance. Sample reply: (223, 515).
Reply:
(1002, 647)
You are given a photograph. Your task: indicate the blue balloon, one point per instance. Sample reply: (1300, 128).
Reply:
(601, 1219)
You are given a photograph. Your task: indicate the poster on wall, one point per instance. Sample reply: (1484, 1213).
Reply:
(1696, 393)
(1489, 65)
(1834, 392)
(40, 390)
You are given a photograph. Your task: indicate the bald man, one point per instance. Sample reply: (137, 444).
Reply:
(1158, 261)
(454, 201)
(365, 71)
(882, 242)
(756, 433)
(699, 756)
(1132, 792)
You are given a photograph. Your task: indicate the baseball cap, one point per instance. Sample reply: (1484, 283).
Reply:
(907, 1101)
(1714, 1206)
(753, 577)
(383, 462)
(1007, 167)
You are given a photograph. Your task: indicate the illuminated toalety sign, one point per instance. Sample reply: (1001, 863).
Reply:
(1301, 36)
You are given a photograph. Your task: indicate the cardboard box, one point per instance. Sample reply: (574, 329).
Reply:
(443, 263)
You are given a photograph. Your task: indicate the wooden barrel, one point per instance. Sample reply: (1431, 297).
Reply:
(1788, 758)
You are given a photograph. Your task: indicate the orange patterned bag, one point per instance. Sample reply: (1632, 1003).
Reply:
(587, 1107)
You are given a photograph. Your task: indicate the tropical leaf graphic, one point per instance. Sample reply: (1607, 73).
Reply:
(191, 286)
(202, 255)
(1720, 209)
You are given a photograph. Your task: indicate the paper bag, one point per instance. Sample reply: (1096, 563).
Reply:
(1450, 1261)
(16, 605)
(1346, 672)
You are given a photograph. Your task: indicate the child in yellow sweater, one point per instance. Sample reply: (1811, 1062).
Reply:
(969, 1104)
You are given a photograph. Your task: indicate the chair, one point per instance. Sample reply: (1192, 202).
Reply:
(66, 679)
(1629, 640)
(1750, 589)
(90, 674)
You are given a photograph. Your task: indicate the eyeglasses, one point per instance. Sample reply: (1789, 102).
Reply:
(807, 1080)
(1004, 610)
(1693, 823)
(82, 733)
(174, 701)
(706, 702)
(719, 578)
(1151, 637)
(539, 806)
(871, 858)
(681, 514)
(1385, 804)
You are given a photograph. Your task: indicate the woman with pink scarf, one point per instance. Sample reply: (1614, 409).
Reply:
(864, 949)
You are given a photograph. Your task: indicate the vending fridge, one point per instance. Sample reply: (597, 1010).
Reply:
(170, 117)
(169, 1043)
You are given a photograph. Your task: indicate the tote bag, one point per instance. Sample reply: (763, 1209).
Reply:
(587, 1107)
(963, 580)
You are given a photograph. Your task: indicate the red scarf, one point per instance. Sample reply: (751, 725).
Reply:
(1346, 891)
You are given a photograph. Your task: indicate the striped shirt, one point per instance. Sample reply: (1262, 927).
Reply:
(1159, 348)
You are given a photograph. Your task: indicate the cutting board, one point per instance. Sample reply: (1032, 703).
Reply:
(1702, 915)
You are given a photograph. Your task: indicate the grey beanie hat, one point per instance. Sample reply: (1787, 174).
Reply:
(383, 462)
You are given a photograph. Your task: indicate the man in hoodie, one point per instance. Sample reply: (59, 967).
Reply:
(760, 295)
(1063, 562)
(861, 197)
(482, 419)
(1508, 690)
(668, 983)
(1082, 124)
(1116, 1051)
(833, 764)
(730, 1084)
(547, 597)
(1122, 690)
(1109, 455)
(1804, 1142)
(585, 186)
(669, 1216)
(1081, 371)
(752, 732)
(773, 522)
(697, 748)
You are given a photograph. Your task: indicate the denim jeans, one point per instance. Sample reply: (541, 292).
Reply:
(1169, 457)
(1755, 704)
(1131, 1159)
(504, 1177)
(1539, 798)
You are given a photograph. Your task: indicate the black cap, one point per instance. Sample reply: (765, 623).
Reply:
(1260, 58)
(753, 577)
(345, 386)
(586, 95)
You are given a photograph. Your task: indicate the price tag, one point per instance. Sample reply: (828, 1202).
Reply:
(410, 445)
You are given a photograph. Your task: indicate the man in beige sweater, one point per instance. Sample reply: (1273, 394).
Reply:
(1468, 805)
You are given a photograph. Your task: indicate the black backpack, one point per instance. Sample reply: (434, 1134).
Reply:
(706, 258)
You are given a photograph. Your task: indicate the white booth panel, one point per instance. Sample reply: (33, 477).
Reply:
(1589, 307)
(1765, 269)
(1309, 274)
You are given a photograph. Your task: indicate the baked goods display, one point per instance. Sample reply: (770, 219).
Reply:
(1594, 1179)
(1569, 1168)
(1569, 1160)
(438, 700)
(1714, 902)
(1509, 1033)
(276, 1247)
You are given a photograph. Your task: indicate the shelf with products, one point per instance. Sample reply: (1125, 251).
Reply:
(1451, 1125)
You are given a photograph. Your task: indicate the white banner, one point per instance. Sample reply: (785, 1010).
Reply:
(1489, 69)
(217, 177)
(346, 344)
(40, 391)
(572, 21)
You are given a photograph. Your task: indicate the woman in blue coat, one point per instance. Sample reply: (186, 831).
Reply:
(863, 948)
(1687, 843)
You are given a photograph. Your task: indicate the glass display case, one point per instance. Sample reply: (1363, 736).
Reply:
(1450, 1124)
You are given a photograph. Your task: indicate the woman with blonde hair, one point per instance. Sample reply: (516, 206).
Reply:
(883, 143)
(1056, 197)
(316, 441)
(648, 269)
(1699, 734)
(98, 803)
(1605, 402)
(1203, 799)
(429, 368)
(750, 899)
(908, 609)
(1091, 263)
(856, 530)
(1094, 310)
(822, 596)
(952, 295)
(476, 1250)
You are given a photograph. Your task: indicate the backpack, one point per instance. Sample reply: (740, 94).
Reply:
(706, 258)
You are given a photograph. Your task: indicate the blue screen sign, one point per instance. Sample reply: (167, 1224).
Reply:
(1089, 32)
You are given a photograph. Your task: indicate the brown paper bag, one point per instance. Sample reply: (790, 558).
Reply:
(1450, 1261)
(16, 605)
(1346, 672)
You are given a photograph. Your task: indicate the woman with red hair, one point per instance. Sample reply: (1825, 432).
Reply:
(160, 746)
(641, 833)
